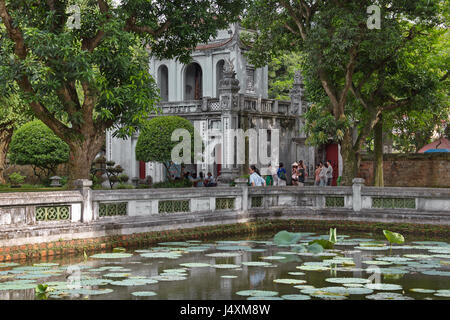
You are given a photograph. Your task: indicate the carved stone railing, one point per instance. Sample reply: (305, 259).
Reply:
(181, 106)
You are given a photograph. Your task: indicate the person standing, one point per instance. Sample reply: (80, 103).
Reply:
(316, 175)
(255, 177)
(301, 175)
(323, 174)
(294, 176)
(282, 174)
(269, 177)
(329, 173)
(274, 175)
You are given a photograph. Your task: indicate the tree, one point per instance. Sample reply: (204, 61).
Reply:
(82, 81)
(155, 141)
(281, 74)
(345, 61)
(36, 145)
(12, 115)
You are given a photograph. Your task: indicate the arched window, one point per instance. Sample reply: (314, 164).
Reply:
(163, 82)
(193, 82)
(219, 74)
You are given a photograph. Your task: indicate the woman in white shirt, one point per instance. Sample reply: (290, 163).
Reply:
(255, 179)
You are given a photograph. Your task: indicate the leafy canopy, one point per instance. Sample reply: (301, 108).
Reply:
(154, 142)
(35, 144)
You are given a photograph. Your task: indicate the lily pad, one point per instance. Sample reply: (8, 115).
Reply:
(256, 264)
(286, 238)
(383, 286)
(296, 273)
(257, 293)
(134, 282)
(348, 280)
(144, 293)
(225, 266)
(273, 258)
(228, 277)
(224, 254)
(296, 297)
(420, 290)
(388, 296)
(195, 265)
(289, 281)
(443, 293)
(116, 255)
(169, 277)
(161, 255)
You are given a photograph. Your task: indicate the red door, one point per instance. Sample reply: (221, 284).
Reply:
(332, 154)
(141, 170)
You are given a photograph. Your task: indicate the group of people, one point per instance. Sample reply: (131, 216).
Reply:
(323, 174)
(201, 180)
(278, 177)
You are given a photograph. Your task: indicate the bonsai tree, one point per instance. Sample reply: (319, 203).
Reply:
(155, 141)
(16, 179)
(36, 145)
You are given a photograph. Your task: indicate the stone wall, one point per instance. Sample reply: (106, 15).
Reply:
(411, 170)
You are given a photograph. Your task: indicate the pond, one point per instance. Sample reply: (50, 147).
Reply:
(358, 267)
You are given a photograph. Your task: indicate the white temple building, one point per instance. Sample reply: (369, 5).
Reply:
(220, 90)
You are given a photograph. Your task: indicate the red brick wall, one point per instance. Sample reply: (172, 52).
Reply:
(411, 170)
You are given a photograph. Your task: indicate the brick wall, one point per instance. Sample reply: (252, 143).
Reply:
(411, 170)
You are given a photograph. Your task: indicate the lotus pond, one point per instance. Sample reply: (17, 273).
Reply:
(360, 266)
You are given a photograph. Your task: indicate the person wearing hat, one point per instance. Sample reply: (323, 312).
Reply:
(294, 176)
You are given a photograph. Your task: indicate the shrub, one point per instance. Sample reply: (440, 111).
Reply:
(16, 178)
(36, 145)
(154, 142)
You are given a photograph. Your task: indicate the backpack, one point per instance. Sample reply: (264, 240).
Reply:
(269, 180)
(282, 174)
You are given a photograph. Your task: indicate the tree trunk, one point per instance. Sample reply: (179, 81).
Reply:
(378, 149)
(82, 155)
(5, 139)
(350, 158)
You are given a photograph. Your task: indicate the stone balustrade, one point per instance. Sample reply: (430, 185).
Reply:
(40, 215)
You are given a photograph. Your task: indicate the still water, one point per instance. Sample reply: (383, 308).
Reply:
(359, 267)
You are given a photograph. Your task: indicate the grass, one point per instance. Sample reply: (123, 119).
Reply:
(29, 188)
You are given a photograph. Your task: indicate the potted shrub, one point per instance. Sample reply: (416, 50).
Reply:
(16, 179)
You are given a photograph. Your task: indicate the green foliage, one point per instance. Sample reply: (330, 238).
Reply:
(285, 238)
(154, 142)
(183, 183)
(36, 145)
(333, 235)
(325, 244)
(393, 237)
(315, 248)
(81, 82)
(281, 74)
(16, 178)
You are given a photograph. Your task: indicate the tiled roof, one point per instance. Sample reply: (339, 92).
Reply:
(213, 45)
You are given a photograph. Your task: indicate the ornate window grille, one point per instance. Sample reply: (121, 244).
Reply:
(53, 213)
(113, 209)
(257, 202)
(171, 206)
(224, 203)
(334, 202)
(391, 203)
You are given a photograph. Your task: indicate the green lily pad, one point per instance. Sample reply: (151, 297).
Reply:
(273, 258)
(257, 293)
(224, 254)
(225, 266)
(264, 298)
(134, 282)
(289, 281)
(195, 265)
(313, 268)
(169, 277)
(383, 286)
(117, 255)
(443, 293)
(420, 290)
(348, 280)
(234, 248)
(228, 277)
(286, 238)
(161, 255)
(296, 273)
(296, 297)
(256, 264)
(304, 286)
(144, 293)
(116, 275)
(388, 296)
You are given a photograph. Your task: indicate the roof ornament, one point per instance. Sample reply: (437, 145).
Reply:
(228, 67)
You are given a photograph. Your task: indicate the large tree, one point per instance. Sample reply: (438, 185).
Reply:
(82, 81)
(13, 113)
(346, 62)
